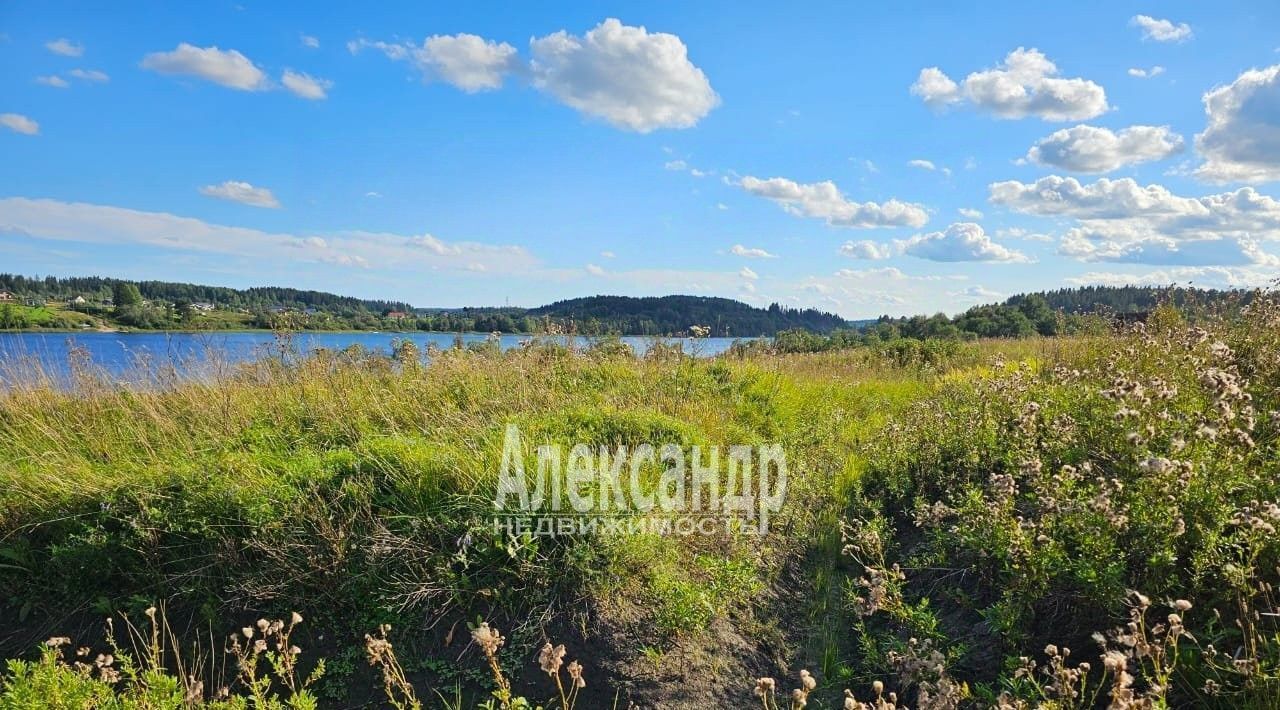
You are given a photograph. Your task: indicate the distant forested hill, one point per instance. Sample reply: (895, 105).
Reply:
(260, 298)
(660, 315)
(1123, 299)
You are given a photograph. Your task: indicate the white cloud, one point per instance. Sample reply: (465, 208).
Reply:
(309, 42)
(100, 224)
(305, 85)
(19, 123)
(466, 61)
(373, 194)
(961, 241)
(1025, 84)
(242, 192)
(978, 293)
(65, 47)
(54, 80)
(1088, 149)
(1161, 30)
(747, 273)
(935, 88)
(824, 200)
(721, 206)
(1151, 73)
(751, 253)
(922, 164)
(676, 165)
(226, 68)
(436, 246)
(90, 75)
(1242, 139)
(607, 255)
(866, 249)
(970, 213)
(595, 270)
(632, 78)
(1119, 220)
(1020, 233)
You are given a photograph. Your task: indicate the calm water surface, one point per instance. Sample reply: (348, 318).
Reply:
(125, 354)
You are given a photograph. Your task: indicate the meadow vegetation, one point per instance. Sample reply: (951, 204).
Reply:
(1065, 522)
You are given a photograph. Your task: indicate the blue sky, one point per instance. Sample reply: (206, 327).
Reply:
(859, 158)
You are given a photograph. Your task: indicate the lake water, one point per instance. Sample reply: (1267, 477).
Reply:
(122, 354)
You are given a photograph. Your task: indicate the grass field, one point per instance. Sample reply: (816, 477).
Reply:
(1040, 523)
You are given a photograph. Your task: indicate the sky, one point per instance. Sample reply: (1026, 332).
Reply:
(860, 158)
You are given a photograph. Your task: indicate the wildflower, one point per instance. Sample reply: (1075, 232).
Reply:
(807, 681)
(1182, 605)
(799, 698)
(247, 631)
(57, 642)
(296, 618)
(765, 686)
(550, 659)
(487, 638)
(575, 672)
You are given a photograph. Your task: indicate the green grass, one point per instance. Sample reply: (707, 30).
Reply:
(927, 501)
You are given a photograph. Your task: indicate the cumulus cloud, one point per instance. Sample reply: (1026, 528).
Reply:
(970, 213)
(65, 47)
(632, 78)
(1120, 220)
(676, 165)
(751, 253)
(922, 164)
(466, 61)
(866, 249)
(823, 200)
(1161, 30)
(1241, 141)
(20, 124)
(1089, 149)
(55, 81)
(1025, 84)
(1153, 72)
(107, 225)
(226, 68)
(747, 273)
(305, 85)
(961, 241)
(242, 192)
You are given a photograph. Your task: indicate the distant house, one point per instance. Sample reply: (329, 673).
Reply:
(34, 302)
(397, 315)
(279, 309)
(203, 307)
(6, 296)
(77, 301)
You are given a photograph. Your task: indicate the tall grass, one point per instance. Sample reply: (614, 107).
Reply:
(950, 516)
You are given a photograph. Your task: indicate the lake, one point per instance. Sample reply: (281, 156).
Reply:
(122, 354)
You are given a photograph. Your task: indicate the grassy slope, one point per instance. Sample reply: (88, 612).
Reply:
(343, 488)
